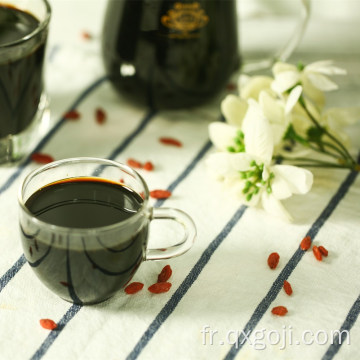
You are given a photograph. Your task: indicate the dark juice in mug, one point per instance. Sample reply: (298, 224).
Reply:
(79, 269)
(21, 80)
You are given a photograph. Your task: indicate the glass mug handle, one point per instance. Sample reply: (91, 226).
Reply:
(284, 53)
(188, 238)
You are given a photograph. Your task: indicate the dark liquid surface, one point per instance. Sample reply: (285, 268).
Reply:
(170, 54)
(21, 81)
(89, 268)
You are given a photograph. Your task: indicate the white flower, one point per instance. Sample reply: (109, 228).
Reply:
(313, 78)
(250, 173)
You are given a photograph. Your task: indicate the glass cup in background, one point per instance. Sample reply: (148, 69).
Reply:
(89, 264)
(23, 33)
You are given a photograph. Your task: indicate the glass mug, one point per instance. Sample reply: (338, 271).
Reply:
(23, 34)
(177, 53)
(84, 227)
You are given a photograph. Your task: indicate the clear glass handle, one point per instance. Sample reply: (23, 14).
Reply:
(188, 238)
(284, 53)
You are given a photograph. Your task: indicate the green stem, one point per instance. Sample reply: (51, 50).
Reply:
(342, 149)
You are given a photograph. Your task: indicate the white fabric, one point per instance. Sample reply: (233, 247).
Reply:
(219, 286)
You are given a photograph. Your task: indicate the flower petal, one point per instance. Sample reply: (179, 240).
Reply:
(299, 180)
(322, 82)
(293, 98)
(218, 165)
(258, 136)
(325, 67)
(285, 81)
(222, 135)
(254, 85)
(274, 207)
(234, 108)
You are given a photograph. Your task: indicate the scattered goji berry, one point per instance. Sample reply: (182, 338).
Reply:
(287, 287)
(41, 158)
(134, 163)
(273, 260)
(165, 274)
(160, 194)
(231, 87)
(279, 310)
(170, 141)
(317, 253)
(323, 251)
(148, 166)
(134, 287)
(30, 250)
(160, 287)
(48, 324)
(305, 243)
(100, 116)
(64, 283)
(72, 115)
(86, 35)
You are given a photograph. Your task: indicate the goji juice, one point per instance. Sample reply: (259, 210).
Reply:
(85, 267)
(21, 79)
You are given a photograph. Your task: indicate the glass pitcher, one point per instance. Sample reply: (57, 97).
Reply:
(176, 53)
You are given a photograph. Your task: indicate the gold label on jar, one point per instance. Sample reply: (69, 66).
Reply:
(185, 20)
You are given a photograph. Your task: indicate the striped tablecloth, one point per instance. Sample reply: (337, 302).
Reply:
(222, 291)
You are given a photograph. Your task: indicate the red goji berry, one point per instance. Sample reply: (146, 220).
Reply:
(231, 86)
(30, 250)
(160, 194)
(165, 274)
(273, 260)
(160, 287)
(317, 253)
(323, 251)
(86, 35)
(48, 324)
(100, 116)
(305, 243)
(287, 288)
(41, 158)
(72, 115)
(134, 163)
(279, 310)
(148, 166)
(170, 141)
(134, 287)
(64, 283)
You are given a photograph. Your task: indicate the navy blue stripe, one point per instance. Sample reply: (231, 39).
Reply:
(12, 272)
(344, 330)
(49, 135)
(185, 285)
(187, 171)
(290, 266)
(73, 310)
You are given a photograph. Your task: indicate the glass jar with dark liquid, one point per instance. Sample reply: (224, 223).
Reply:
(170, 54)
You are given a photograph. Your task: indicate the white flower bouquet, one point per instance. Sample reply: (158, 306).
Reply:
(272, 131)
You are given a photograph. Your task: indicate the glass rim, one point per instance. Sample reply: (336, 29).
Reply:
(42, 25)
(74, 230)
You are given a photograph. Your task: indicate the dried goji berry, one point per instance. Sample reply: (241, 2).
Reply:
(30, 250)
(86, 35)
(48, 324)
(165, 274)
(72, 115)
(287, 288)
(160, 194)
(305, 243)
(64, 283)
(323, 251)
(160, 287)
(100, 116)
(317, 253)
(134, 163)
(170, 141)
(41, 158)
(279, 310)
(148, 166)
(273, 260)
(134, 287)
(231, 86)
